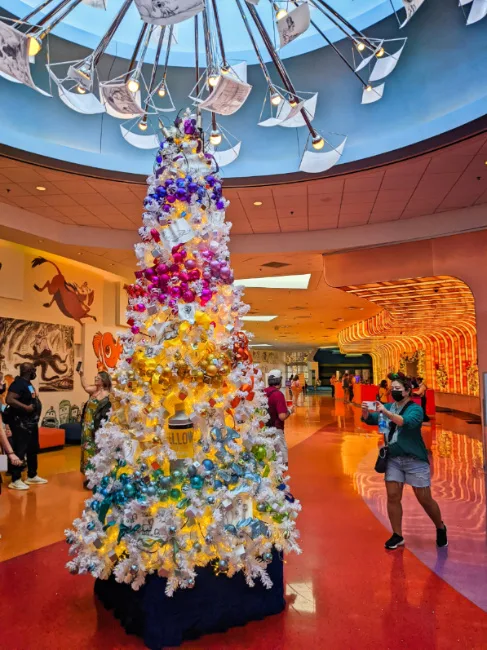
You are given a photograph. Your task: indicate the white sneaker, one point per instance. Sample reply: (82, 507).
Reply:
(18, 485)
(37, 480)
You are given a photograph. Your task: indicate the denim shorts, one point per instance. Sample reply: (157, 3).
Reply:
(410, 470)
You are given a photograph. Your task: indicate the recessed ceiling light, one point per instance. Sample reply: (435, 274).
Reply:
(257, 319)
(277, 282)
(260, 345)
(79, 253)
(258, 203)
(41, 188)
(40, 241)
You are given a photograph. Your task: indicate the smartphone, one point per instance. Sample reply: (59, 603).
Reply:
(371, 406)
(79, 366)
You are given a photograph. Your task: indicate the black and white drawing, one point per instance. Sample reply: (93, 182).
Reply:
(228, 96)
(294, 24)
(119, 101)
(168, 12)
(410, 7)
(14, 57)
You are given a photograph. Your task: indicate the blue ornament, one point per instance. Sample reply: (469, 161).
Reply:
(208, 464)
(191, 470)
(143, 467)
(104, 481)
(159, 159)
(267, 557)
(123, 478)
(137, 474)
(91, 568)
(180, 182)
(217, 484)
(91, 525)
(95, 505)
(104, 492)
(211, 500)
(281, 487)
(165, 481)
(151, 490)
(197, 482)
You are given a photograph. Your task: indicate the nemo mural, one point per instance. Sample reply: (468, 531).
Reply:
(107, 351)
(73, 301)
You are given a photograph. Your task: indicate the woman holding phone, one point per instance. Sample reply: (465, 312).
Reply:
(407, 458)
(95, 411)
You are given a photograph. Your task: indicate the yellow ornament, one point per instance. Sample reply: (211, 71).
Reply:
(211, 370)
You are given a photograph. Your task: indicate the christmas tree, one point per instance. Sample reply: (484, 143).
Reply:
(187, 473)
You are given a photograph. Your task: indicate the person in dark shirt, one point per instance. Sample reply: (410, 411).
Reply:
(24, 411)
(277, 408)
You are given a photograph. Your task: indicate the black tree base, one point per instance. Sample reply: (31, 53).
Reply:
(215, 604)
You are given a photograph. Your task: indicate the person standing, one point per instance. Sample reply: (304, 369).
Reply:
(296, 389)
(95, 412)
(346, 388)
(23, 416)
(333, 381)
(407, 459)
(8, 450)
(277, 409)
(383, 392)
(420, 391)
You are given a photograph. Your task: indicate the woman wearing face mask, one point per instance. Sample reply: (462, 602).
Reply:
(407, 460)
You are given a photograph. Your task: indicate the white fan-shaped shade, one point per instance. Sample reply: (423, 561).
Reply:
(411, 8)
(240, 71)
(385, 65)
(168, 12)
(119, 102)
(293, 24)
(464, 2)
(228, 156)
(371, 96)
(87, 104)
(151, 141)
(478, 10)
(314, 162)
(297, 120)
(9, 78)
(368, 58)
(228, 96)
(96, 4)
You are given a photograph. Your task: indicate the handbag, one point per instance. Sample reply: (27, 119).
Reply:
(381, 462)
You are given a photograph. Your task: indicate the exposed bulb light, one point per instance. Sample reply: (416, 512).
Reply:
(143, 124)
(281, 13)
(368, 88)
(360, 46)
(225, 69)
(318, 142)
(276, 98)
(215, 138)
(380, 53)
(80, 90)
(40, 188)
(35, 45)
(162, 91)
(258, 203)
(133, 85)
(213, 80)
(293, 102)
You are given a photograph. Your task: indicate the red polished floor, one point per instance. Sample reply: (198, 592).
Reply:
(344, 591)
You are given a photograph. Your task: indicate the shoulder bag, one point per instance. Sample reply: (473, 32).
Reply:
(381, 462)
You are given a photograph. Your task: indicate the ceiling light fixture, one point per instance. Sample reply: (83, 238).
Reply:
(41, 188)
(276, 98)
(276, 282)
(143, 124)
(213, 80)
(380, 53)
(215, 138)
(360, 46)
(258, 203)
(162, 91)
(133, 85)
(258, 319)
(35, 45)
(80, 90)
(318, 142)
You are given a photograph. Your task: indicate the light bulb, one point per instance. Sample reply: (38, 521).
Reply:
(162, 91)
(133, 85)
(80, 90)
(318, 142)
(380, 53)
(225, 69)
(143, 124)
(360, 46)
(215, 138)
(281, 13)
(35, 45)
(276, 98)
(213, 80)
(293, 102)
(368, 88)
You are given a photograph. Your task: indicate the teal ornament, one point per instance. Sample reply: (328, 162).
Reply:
(177, 476)
(129, 491)
(91, 526)
(196, 482)
(165, 481)
(267, 557)
(222, 436)
(122, 462)
(175, 494)
(163, 495)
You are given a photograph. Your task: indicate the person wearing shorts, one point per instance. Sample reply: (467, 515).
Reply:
(407, 460)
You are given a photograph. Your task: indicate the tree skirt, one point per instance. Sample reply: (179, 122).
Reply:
(215, 604)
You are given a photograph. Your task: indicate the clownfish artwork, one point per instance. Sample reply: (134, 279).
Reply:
(107, 350)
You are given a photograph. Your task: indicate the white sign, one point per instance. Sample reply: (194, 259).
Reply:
(411, 7)
(187, 312)
(14, 57)
(177, 232)
(119, 101)
(168, 12)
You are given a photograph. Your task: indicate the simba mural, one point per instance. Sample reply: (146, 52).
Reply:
(73, 300)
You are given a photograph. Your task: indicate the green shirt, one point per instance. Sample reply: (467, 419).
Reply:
(407, 440)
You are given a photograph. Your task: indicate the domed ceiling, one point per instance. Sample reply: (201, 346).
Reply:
(435, 82)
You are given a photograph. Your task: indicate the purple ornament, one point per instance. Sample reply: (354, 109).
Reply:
(149, 273)
(189, 295)
(135, 329)
(170, 198)
(166, 207)
(206, 275)
(181, 194)
(225, 272)
(162, 298)
(175, 291)
(206, 295)
(172, 304)
(161, 268)
(220, 205)
(215, 267)
(190, 265)
(192, 188)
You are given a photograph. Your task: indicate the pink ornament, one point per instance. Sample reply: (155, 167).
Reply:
(140, 307)
(184, 286)
(206, 284)
(135, 329)
(175, 292)
(178, 258)
(190, 265)
(184, 277)
(155, 235)
(215, 267)
(164, 279)
(194, 275)
(149, 273)
(189, 296)
(206, 275)
(161, 268)
(183, 253)
(225, 272)
(172, 303)
(174, 268)
(206, 294)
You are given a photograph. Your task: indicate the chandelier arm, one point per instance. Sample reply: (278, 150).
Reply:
(254, 44)
(154, 67)
(219, 34)
(34, 11)
(209, 53)
(168, 52)
(326, 6)
(143, 52)
(342, 57)
(136, 50)
(50, 14)
(280, 67)
(197, 53)
(109, 34)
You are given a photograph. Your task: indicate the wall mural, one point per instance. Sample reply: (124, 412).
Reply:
(67, 414)
(73, 300)
(49, 347)
(107, 350)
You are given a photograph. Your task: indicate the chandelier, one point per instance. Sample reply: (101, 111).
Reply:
(140, 99)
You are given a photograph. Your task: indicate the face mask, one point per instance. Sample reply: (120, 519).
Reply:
(397, 395)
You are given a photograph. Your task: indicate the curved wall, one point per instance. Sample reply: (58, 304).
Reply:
(439, 84)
